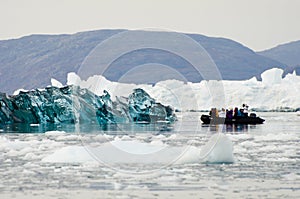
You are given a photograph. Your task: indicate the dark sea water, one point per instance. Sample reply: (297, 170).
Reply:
(80, 161)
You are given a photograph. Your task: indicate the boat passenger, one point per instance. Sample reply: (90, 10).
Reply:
(214, 113)
(246, 111)
(237, 113)
(229, 113)
(241, 112)
(222, 113)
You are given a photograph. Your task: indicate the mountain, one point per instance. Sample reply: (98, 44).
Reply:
(287, 54)
(235, 61)
(31, 61)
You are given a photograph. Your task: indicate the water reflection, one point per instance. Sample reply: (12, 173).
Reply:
(236, 128)
(229, 128)
(121, 128)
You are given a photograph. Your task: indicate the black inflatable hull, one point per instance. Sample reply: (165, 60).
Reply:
(206, 119)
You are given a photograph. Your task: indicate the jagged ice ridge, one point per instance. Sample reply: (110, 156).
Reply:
(72, 104)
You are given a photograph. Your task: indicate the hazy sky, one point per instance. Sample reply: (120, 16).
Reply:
(258, 24)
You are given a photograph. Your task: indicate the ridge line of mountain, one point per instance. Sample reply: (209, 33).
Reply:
(31, 61)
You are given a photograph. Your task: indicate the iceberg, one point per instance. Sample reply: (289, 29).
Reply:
(273, 93)
(72, 104)
(218, 150)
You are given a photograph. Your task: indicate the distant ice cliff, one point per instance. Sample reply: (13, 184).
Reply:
(272, 93)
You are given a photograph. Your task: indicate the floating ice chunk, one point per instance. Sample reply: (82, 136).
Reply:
(70, 154)
(190, 154)
(291, 177)
(54, 133)
(277, 137)
(172, 137)
(219, 149)
(70, 137)
(157, 143)
(160, 137)
(6, 144)
(30, 156)
(125, 137)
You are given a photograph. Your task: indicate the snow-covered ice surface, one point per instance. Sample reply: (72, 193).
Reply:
(144, 161)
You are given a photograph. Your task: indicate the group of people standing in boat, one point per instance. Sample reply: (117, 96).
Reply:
(230, 113)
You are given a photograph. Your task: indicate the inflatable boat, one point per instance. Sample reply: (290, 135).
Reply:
(252, 119)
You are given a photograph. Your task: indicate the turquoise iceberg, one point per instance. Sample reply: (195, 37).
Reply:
(72, 104)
